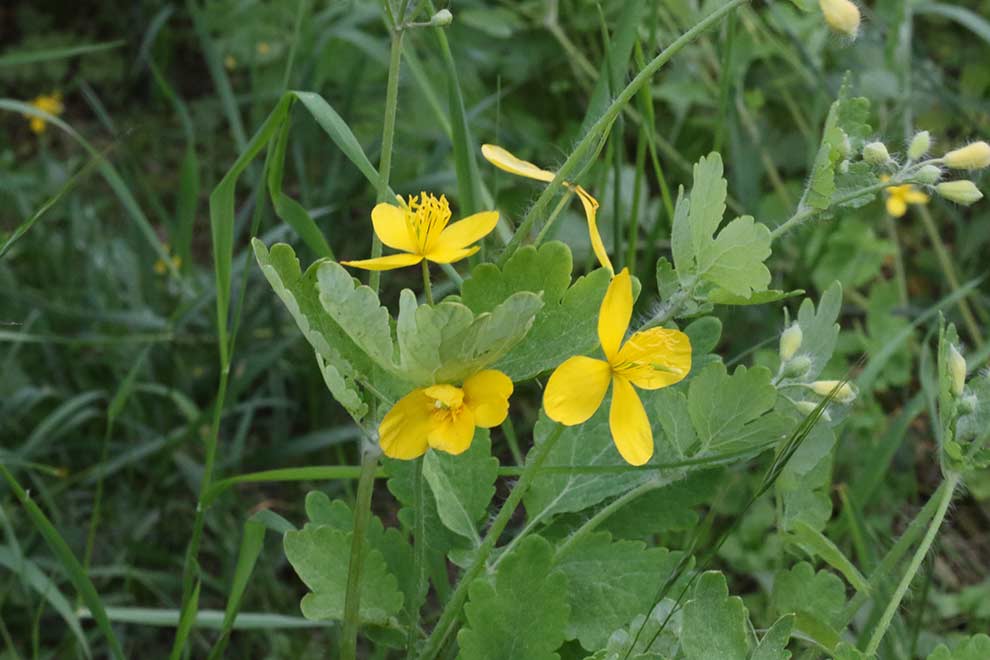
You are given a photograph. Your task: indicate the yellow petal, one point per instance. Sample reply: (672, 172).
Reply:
(464, 232)
(576, 389)
(631, 430)
(655, 358)
(391, 227)
(590, 205)
(896, 206)
(450, 255)
(487, 395)
(915, 197)
(615, 312)
(453, 434)
(404, 431)
(385, 263)
(504, 160)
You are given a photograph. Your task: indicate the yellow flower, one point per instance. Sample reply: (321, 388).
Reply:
(420, 230)
(650, 359)
(264, 48)
(504, 160)
(898, 198)
(161, 267)
(50, 103)
(444, 416)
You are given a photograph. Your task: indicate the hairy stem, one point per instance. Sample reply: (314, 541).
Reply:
(362, 515)
(427, 289)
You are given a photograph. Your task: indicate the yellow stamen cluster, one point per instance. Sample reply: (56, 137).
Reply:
(426, 217)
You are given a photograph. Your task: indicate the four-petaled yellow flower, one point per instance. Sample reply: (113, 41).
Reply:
(504, 160)
(650, 359)
(50, 103)
(419, 228)
(444, 416)
(898, 198)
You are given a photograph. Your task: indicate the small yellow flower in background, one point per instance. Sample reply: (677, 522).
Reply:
(50, 103)
(650, 359)
(230, 62)
(898, 198)
(161, 267)
(502, 159)
(420, 229)
(841, 15)
(264, 48)
(444, 416)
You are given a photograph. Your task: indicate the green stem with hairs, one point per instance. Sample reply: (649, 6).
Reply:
(362, 516)
(607, 512)
(452, 610)
(427, 289)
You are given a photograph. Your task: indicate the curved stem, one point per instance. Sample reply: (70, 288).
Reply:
(919, 556)
(452, 610)
(607, 512)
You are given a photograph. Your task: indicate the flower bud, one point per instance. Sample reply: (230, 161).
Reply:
(797, 367)
(920, 144)
(790, 341)
(957, 370)
(875, 153)
(971, 157)
(962, 192)
(807, 407)
(442, 18)
(844, 145)
(841, 15)
(845, 394)
(929, 174)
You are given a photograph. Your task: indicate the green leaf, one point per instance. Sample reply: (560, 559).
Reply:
(846, 651)
(714, 623)
(522, 612)
(727, 411)
(567, 323)
(844, 134)
(822, 546)
(656, 638)
(820, 596)
(707, 202)
(819, 329)
(976, 647)
(609, 582)
(463, 485)
(320, 555)
(704, 334)
(446, 343)
(666, 509)
(735, 260)
(773, 646)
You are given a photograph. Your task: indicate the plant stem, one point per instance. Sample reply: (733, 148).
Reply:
(362, 515)
(607, 512)
(452, 610)
(419, 555)
(427, 289)
(888, 614)
(604, 123)
(805, 213)
(388, 136)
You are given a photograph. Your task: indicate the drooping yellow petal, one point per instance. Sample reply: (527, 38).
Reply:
(615, 313)
(576, 389)
(590, 205)
(504, 160)
(464, 232)
(452, 430)
(391, 227)
(487, 395)
(630, 426)
(385, 263)
(449, 256)
(405, 430)
(915, 196)
(655, 358)
(896, 206)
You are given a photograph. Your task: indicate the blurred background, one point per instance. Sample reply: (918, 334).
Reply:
(112, 290)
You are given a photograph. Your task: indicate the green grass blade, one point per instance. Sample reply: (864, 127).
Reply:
(186, 621)
(210, 619)
(47, 55)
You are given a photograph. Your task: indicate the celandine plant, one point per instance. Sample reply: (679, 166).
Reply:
(639, 415)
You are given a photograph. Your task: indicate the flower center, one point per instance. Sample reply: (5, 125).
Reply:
(426, 217)
(447, 402)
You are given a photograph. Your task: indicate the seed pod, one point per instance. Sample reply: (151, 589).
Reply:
(962, 192)
(957, 370)
(841, 15)
(920, 144)
(790, 341)
(973, 156)
(875, 153)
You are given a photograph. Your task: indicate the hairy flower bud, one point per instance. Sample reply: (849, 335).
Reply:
(875, 153)
(929, 174)
(845, 394)
(841, 15)
(790, 341)
(808, 407)
(957, 370)
(973, 156)
(797, 367)
(442, 18)
(962, 192)
(920, 144)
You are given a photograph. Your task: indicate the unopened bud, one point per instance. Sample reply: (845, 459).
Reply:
(844, 145)
(442, 18)
(807, 407)
(974, 156)
(790, 341)
(920, 144)
(962, 192)
(957, 370)
(967, 404)
(844, 394)
(875, 153)
(929, 174)
(797, 367)
(841, 15)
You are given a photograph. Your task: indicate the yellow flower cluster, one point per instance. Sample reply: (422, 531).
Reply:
(49, 103)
